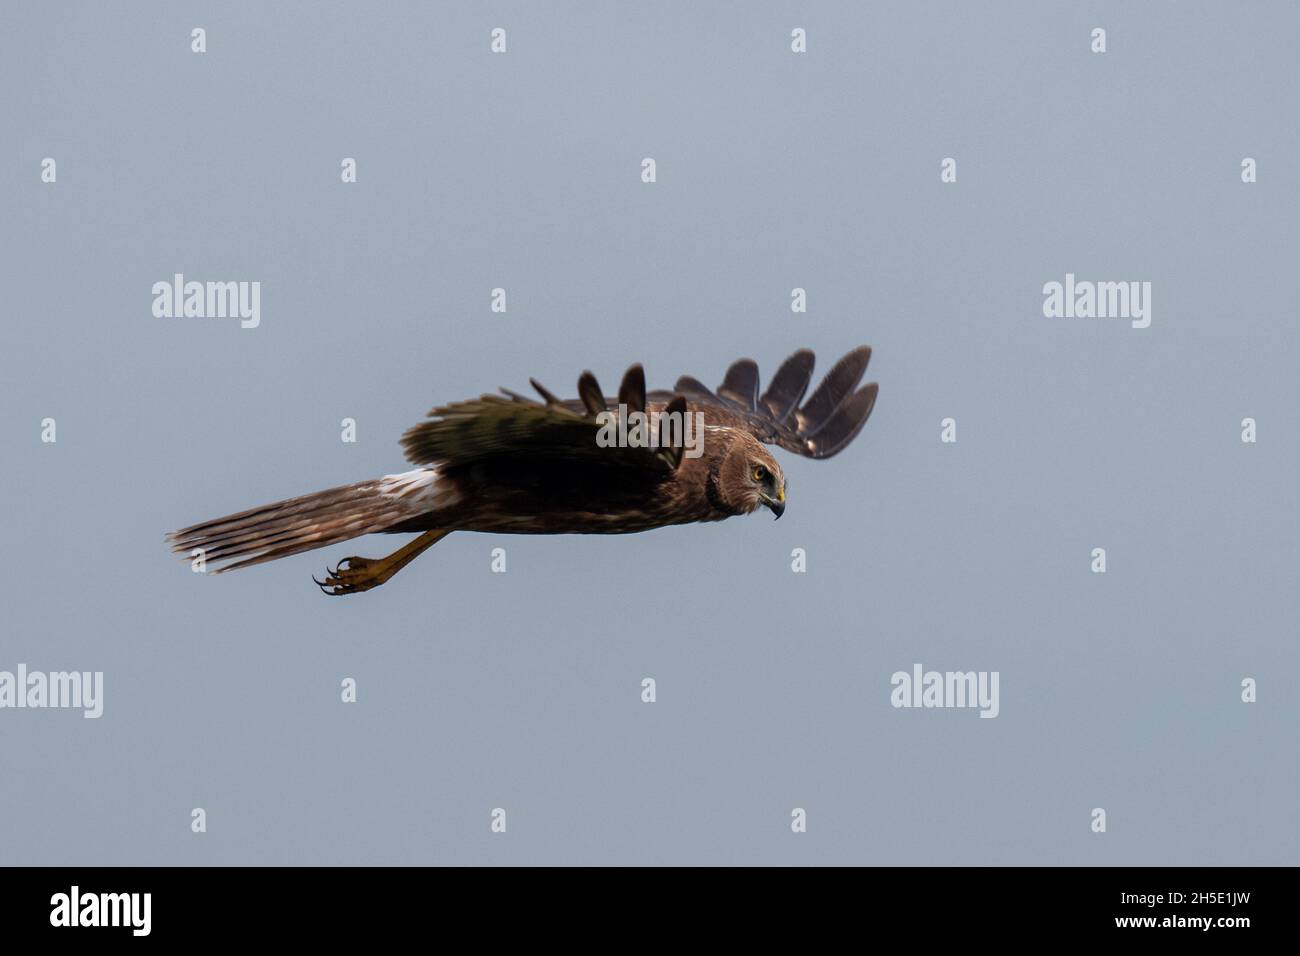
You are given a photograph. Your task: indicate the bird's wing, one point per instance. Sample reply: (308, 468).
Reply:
(817, 428)
(511, 426)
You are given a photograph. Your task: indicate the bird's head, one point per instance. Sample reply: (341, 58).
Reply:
(749, 477)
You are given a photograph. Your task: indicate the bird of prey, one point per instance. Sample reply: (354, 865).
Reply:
(513, 465)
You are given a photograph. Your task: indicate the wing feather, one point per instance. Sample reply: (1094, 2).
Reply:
(789, 385)
(838, 385)
(819, 428)
(741, 384)
(516, 427)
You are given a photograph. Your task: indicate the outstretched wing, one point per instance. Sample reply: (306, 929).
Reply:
(817, 428)
(511, 426)
(495, 427)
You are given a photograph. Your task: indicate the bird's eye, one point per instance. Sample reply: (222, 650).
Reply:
(760, 473)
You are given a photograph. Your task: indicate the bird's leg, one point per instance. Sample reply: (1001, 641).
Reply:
(354, 575)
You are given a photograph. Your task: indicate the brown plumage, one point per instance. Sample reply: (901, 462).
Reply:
(510, 464)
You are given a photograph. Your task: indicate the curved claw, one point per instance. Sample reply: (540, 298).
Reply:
(325, 586)
(353, 575)
(333, 585)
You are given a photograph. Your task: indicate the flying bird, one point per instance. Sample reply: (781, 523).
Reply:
(591, 465)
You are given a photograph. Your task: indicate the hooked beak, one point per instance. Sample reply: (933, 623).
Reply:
(776, 505)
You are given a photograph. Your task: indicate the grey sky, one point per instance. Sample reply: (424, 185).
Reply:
(775, 170)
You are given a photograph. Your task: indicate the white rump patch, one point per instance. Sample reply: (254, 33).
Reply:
(418, 485)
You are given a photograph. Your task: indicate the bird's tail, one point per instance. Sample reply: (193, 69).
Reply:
(308, 522)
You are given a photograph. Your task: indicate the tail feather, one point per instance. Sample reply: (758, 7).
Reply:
(307, 522)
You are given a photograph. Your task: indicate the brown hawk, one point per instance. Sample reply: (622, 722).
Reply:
(591, 465)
